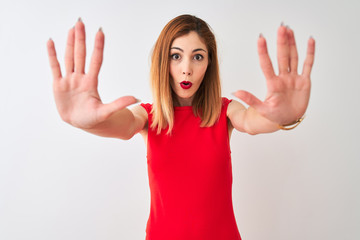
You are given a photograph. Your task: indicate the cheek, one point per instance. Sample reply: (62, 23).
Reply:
(172, 76)
(172, 70)
(202, 70)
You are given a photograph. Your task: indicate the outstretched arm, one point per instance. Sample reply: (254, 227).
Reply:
(288, 92)
(76, 94)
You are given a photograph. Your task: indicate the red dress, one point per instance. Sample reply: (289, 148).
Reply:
(190, 178)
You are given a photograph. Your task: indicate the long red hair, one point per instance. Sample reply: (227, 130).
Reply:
(207, 101)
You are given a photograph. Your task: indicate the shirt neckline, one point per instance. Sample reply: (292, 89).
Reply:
(183, 108)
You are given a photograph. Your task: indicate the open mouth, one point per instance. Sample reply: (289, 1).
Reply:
(185, 84)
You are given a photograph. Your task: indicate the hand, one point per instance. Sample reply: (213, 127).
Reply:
(76, 94)
(287, 93)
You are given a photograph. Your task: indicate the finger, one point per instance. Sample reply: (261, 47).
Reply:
(310, 56)
(69, 52)
(97, 56)
(293, 51)
(283, 51)
(248, 98)
(80, 47)
(54, 63)
(108, 109)
(265, 62)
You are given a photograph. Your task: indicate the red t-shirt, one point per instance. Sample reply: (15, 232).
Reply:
(190, 178)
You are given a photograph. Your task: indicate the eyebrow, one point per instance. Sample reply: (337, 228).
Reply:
(195, 50)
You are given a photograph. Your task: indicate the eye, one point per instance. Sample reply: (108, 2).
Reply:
(175, 56)
(198, 57)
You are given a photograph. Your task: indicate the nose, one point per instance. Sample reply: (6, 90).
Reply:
(187, 68)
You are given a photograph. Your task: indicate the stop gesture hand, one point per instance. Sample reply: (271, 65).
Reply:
(288, 92)
(76, 94)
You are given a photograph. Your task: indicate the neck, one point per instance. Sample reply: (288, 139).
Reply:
(183, 102)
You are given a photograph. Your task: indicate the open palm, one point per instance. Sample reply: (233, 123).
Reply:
(288, 92)
(76, 95)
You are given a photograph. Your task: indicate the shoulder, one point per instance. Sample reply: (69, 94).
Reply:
(141, 118)
(231, 106)
(140, 110)
(234, 106)
(146, 106)
(235, 114)
(140, 115)
(225, 101)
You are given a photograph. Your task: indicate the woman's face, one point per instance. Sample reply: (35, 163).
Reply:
(188, 64)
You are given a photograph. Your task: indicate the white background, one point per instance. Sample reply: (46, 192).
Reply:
(57, 182)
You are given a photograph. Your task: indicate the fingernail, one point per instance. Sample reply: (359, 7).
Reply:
(79, 19)
(100, 29)
(138, 100)
(282, 24)
(311, 37)
(287, 26)
(260, 35)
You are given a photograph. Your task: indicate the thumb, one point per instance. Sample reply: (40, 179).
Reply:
(249, 99)
(108, 109)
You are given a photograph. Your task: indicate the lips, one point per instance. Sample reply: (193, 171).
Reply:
(186, 84)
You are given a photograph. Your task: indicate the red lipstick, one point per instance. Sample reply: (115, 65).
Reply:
(185, 84)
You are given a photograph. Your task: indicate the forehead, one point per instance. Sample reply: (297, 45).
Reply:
(189, 41)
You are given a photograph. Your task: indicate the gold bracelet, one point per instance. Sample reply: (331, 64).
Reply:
(290, 126)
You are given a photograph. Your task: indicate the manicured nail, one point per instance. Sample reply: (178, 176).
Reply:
(79, 19)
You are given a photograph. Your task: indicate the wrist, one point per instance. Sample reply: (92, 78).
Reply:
(292, 125)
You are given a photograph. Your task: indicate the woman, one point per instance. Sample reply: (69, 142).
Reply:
(188, 127)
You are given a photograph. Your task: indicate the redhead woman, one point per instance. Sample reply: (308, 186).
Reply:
(188, 126)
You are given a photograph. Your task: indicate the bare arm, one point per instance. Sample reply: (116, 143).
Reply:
(248, 120)
(123, 124)
(76, 94)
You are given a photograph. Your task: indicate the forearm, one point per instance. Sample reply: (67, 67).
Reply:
(249, 120)
(121, 124)
(254, 123)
